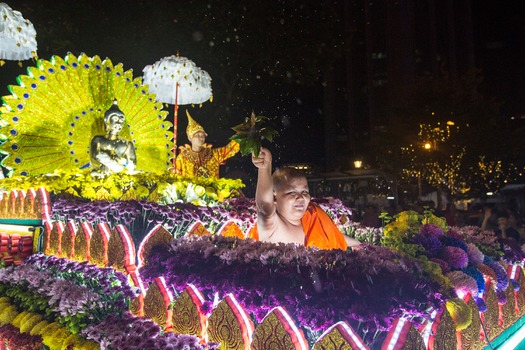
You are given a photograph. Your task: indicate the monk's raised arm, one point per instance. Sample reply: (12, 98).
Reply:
(264, 191)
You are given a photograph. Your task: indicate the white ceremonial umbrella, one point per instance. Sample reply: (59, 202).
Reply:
(178, 81)
(17, 35)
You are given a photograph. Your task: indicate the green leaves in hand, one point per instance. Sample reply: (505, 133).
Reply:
(250, 134)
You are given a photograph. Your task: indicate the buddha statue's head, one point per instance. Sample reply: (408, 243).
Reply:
(114, 119)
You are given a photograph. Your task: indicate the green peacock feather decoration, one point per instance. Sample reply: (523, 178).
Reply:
(58, 107)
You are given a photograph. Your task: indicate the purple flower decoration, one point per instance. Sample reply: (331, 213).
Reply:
(502, 282)
(432, 230)
(475, 256)
(456, 257)
(453, 242)
(322, 287)
(429, 241)
(207, 307)
(463, 283)
(482, 306)
(445, 267)
(502, 297)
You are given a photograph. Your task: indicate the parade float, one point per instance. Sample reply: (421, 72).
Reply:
(146, 259)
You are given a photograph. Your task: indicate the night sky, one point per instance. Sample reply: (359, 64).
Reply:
(139, 32)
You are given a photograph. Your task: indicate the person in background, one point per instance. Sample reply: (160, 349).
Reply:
(371, 217)
(285, 213)
(508, 228)
(450, 214)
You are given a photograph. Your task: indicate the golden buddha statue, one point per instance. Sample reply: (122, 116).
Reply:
(200, 159)
(110, 153)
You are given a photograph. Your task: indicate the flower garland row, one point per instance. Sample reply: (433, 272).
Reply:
(166, 188)
(141, 216)
(28, 330)
(320, 287)
(82, 299)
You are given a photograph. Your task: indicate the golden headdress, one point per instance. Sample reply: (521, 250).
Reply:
(193, 126)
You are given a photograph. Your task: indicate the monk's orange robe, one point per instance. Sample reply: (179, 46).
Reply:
(319, 230)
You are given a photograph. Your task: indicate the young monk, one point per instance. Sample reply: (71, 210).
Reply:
(285, 213)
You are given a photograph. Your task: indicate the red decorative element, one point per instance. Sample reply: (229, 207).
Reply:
(434, 329)
(72, 229)
(8, 260)
(46, 204)
(25, 246)
(60, 227)
(198, 299)
(4, 242)
(104, 235)
(157, 236)
(48, 226)
(137, 282)
(12, 248)
(243, 319)
(167, 297)
(397, 335)
(121, 250)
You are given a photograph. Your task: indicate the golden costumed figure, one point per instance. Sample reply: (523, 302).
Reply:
(200, 159)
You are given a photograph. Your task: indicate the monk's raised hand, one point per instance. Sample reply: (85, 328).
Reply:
(264, 160)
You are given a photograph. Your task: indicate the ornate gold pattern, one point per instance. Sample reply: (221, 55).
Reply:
(445, 337)
(198, 230)
(271, 334)
(414, 341)
(333, 340)
(186, 317)
(67, 245)
(492, 326)
(154, 306)
(161, 237)
(81, 245)
(98, 248)
(224, 327)
(470, 337)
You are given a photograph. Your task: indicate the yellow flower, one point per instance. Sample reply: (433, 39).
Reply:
(36, 330)
(75, 341)
(115, 192)
(48, 330)
(8, 315)
(199, 191)
(29, 322)
(441, 222)
(89, 193)
(142, 192)
(223, 194)
(460, 312)
(55, 339)
(18, 319)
